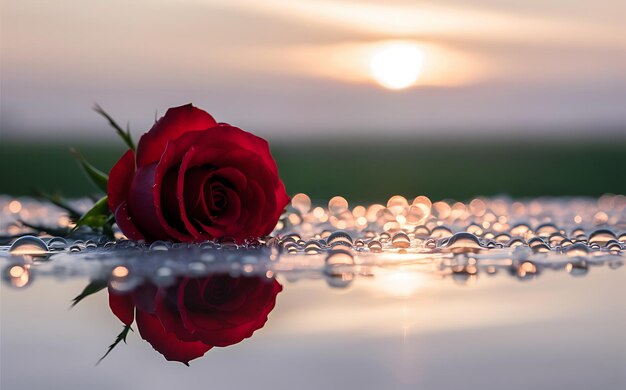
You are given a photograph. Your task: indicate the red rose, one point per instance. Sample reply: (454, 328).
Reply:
(184, 321)
(193, 179)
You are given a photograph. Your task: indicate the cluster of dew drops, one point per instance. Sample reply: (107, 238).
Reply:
(463, 238)
(483, 234)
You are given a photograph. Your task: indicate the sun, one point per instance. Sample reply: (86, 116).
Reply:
(397, 65)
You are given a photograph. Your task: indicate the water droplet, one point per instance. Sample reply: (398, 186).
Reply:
(385, 216)
(339, 237)
(312, 247)
(502, 238)
(462, 242)
(17, 275)
(540, 248)
(337, 205)
(397, 205)
(565, 243)
(291, 248)
(57, 243)
(401, 240)
(546, 229)
(515, 242)
(474, 229)
(293, 237)
(121, 279)
(301, 202)
(601, 237)
(338, 268)
(440, 232)
(159, 246)
(577, 249)
(164, 276)
(527, 270)
(577, 269)
(431, 243)
(29, 246)
(375, 246)
(520, 229)
(197, 268)
(417, 215)
(535, 241)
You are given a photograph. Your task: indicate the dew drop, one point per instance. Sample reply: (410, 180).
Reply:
(601, 237)
(337, 205)
(462, 242)
(197, 268)
(17, 275)
(401, 240)
(515, 242)
(121, 279)
(301, 202)
(527, 270)
(57, 243)
(76, 248)
(29, 246)
(159, 246)
(397, 205)
(421, 231)
(339, 237)
(338, 268)
(546, 229)
(312, 247)
(577, 249)
(541, 248)
(520, 229)
(440, 232)
(578, 268)
(375, 246)
(164, 276)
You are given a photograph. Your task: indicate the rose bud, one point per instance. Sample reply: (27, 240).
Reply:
(193, 179)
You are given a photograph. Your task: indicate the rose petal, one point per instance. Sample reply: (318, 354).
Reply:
(166, 343)
(125, 223)
(232, 176)
(171, 159)
(217, 327)
(169, 201)
(141, 206)
(230, 214)
(176, 122)
(122, 306)
(120, 178)
(191, 182)
(167, 312)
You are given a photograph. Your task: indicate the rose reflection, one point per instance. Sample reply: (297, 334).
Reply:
(185, 320)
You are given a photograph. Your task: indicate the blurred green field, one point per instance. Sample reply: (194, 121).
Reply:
(370, 171)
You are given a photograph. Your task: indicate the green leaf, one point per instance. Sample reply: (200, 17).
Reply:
(97, 216)
(90, 289)
(120, 337)
(97, 177)
(124, 134)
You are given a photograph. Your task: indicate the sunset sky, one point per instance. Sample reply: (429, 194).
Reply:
(317, 68)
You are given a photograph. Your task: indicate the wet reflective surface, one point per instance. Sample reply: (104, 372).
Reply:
(490, 294)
